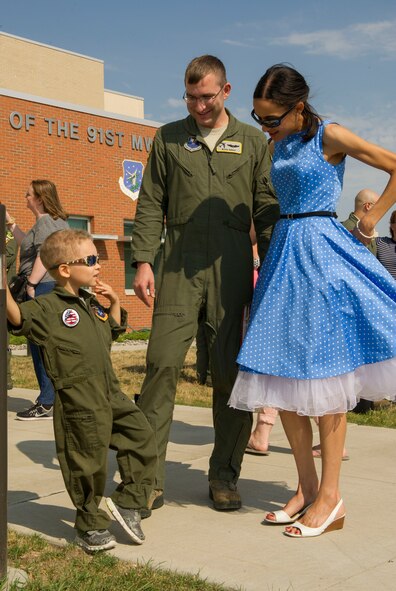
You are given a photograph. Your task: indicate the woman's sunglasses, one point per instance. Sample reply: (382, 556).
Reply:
(271, 121)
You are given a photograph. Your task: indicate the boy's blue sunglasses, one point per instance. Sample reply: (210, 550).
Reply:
(90, 261)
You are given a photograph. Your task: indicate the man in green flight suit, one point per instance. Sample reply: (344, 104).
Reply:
(207, 177)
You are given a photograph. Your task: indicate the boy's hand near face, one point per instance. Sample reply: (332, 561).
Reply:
(108, 292)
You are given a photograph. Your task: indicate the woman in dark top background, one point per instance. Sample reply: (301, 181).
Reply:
(386, 248)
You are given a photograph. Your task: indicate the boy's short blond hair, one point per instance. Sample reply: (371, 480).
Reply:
(62, 246)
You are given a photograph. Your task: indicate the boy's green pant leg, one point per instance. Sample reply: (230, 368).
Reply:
(134, 442)
(83, 438)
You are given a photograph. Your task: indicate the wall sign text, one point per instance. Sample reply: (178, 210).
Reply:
(73, 131)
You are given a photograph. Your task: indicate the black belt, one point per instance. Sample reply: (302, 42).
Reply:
(308, 214)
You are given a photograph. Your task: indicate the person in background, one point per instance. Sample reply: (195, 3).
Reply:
(11, 256)
(258, 443)
(386, 247)
(202, 355)
(43, 201)
(208, 175)
(364, 201)
(322, 332)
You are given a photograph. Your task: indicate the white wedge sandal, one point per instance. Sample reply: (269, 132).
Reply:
(332, 523)
(283, 518)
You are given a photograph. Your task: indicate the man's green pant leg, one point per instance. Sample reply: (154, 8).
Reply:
(157, 402)
(232, 432)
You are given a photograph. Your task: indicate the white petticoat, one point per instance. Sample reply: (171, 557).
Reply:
(316, 397)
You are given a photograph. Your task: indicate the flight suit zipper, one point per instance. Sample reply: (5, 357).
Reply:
(91, 314)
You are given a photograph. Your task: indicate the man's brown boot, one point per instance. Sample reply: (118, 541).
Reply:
(224, 495)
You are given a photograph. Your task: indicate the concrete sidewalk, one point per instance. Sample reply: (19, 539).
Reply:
(231, 548)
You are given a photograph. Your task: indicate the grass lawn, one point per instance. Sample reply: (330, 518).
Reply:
(67, 568)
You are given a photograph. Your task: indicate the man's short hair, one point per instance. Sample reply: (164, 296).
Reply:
(62, 246)
(201, 66)
(365, 196)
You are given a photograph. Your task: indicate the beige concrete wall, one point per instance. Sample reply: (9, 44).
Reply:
(41, 70)
(124, 104)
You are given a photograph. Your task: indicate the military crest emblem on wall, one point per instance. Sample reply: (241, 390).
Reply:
(131, 180)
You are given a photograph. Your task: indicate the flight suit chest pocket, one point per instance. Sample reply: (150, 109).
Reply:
(66, 362)
(182, 165)
(239, 167)
(81, 431)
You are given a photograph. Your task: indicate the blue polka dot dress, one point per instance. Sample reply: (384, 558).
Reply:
(322, 329)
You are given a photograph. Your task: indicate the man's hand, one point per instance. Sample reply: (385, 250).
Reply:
(144, 283)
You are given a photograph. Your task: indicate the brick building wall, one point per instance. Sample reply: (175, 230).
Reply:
(82, 153)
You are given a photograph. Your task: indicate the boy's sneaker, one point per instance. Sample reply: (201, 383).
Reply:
(129, 519)
(95, 540)
(36, 412)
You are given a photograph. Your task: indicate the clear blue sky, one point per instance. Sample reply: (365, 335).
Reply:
(345, 48)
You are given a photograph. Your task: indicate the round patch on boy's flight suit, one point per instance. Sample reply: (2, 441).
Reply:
(70, 317)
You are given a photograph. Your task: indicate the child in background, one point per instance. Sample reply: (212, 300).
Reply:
(91, 414)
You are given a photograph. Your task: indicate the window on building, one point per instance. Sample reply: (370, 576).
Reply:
(77, 222)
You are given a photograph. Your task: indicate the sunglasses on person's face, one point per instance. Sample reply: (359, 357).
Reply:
(90, 261)
(270, 122)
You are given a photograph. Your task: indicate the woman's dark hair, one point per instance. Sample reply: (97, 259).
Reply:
(283, 85)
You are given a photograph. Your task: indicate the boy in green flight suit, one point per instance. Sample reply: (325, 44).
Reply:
(91, 413)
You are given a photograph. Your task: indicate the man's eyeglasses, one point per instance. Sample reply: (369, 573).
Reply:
(205, 99)
(270, 122)
(90, 261)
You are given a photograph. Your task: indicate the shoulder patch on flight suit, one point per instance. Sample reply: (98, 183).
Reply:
(100, 313)
(192, 145)
(230, 146)
(70, 317)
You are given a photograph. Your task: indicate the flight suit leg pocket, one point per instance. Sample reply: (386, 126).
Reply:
(81, 431)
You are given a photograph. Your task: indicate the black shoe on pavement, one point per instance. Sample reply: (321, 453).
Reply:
(36, 412)
(95, 540)
(156, 501)
(129, 519)
(224, 495)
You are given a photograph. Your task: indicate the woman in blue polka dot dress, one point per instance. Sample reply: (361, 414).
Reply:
(322, 331)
